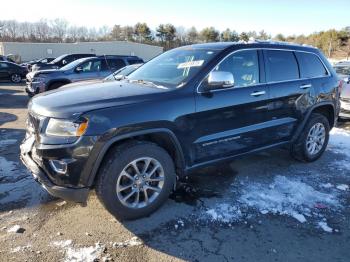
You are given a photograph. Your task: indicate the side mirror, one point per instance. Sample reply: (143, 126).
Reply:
(79, 69)
(119, 77)
(220, 79)
(64, 62)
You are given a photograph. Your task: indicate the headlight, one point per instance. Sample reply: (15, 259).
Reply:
(58, 127)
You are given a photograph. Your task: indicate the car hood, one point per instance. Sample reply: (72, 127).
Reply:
(33, 74)
(72, 101)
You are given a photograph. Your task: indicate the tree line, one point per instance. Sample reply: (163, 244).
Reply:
(167, 35)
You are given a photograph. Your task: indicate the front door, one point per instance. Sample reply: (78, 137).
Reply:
(89, 70)
(231, 121)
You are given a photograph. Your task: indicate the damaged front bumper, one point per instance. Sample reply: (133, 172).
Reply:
(78, 195)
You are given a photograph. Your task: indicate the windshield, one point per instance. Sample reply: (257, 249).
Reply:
(173, 68)
(343, 70)
(57, 59)
(73, 64)
(125, 71)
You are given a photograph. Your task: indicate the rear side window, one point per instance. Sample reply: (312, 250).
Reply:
(310, 65)
(116, 64)
(281, 66)
(134, 61)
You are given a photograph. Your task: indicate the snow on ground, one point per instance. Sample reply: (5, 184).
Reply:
(302, 196)
(324, 226)
(21, 248)
(78, 254)
(339, 141)
(17, 184)
(61, 243)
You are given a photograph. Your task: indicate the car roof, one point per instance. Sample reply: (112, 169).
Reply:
(119, 56)
(252, 44)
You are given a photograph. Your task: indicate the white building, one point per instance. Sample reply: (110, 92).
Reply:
(29, 51)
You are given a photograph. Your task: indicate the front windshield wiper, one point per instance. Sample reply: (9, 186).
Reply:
(145, 82)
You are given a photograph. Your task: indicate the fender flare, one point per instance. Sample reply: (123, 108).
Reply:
(307, 116)
(117, 138)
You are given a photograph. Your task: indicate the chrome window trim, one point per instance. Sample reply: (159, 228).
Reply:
(260, 84)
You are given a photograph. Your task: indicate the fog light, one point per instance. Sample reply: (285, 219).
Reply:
(60, 166)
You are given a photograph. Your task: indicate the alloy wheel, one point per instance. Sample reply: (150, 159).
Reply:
(140, 182)
(316, 138)
(16, 78)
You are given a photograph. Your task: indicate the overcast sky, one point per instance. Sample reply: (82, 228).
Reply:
(274, 16)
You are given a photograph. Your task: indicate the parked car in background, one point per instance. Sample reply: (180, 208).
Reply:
(60, 61)
(343, 71)
(188, 108)
(38, 62)
(79, 70)
(122, 72)
(6, 59)
(12, 71)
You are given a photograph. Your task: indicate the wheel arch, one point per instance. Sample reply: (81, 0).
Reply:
(324, 108)
(164, 138)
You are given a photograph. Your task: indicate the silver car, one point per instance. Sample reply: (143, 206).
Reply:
(343, 71)
(91, 68)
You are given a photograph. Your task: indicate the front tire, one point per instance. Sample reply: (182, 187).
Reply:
(15, 78)
(135, 179)
(313, 140)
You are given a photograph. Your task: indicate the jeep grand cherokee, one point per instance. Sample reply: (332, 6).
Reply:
(188, 108)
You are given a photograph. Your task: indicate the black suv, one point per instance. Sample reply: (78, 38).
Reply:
(89, 68)
(188, 108)
(59, 61)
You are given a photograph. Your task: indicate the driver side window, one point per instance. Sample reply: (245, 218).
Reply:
(244, 66)
(91, 66)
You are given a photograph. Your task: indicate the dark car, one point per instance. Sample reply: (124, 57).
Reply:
(122, 72)
(60, 61)
(343, 71)
(12, 71)
(38, 62)
(188, 108)
(7, 59)
(80, 70)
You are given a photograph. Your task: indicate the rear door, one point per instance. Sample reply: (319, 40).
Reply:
(289, 94)
(231, 121)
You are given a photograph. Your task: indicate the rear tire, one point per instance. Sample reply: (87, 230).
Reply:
(117, 168)
(313, 140)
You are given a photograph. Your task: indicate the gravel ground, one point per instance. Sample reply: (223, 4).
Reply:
(266, 207)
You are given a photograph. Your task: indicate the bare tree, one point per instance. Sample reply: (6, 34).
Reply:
(11, 29)
(42, 30)
(59, 28)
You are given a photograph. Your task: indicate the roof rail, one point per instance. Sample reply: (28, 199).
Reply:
(270, 41)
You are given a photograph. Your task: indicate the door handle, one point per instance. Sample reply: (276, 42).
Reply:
(305, 86)
(258, 93)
